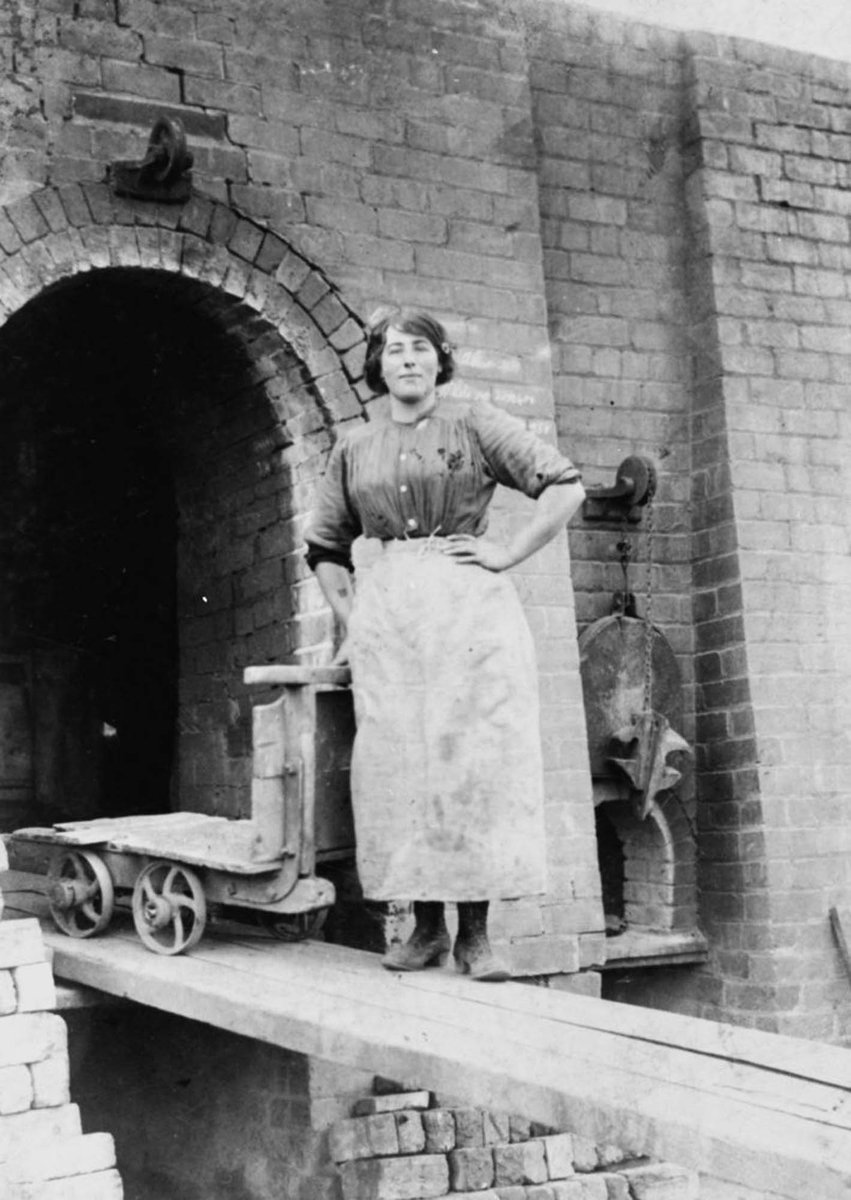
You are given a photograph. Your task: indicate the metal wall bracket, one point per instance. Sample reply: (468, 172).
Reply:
(634, 487)
(164, 175)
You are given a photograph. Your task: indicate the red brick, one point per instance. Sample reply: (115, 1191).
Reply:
(411, 1132)
(662, 1181)
(392, 1102)
(823, 226)
(214, 93)
(471, 1169)
(414, 1178)
(10, 239)
(27, 219)
(363, 1137)
(519, 1163)
(198, 58)
(100, 39)
(164, 18)
(151, 82)
(83, 1155)
(439, 1126)
(809, 170)
(469, 1127)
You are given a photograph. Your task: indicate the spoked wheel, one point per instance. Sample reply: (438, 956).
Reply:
(169, 908)
(80, 893)
(294, 927)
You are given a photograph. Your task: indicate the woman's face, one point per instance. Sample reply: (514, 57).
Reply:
(409, 366)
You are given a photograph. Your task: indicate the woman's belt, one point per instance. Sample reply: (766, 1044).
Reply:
(421, 544)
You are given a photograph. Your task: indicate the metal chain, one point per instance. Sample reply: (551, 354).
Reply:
(648, 614)
(624, 548)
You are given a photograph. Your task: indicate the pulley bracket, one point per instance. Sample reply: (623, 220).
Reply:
(634, 487)
(164, 175)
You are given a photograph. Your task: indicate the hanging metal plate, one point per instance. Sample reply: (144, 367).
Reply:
(612, 658)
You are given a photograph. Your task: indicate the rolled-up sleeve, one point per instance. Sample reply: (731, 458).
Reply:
(516, 457)
(334, 524)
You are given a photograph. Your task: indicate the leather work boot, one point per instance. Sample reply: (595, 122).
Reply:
(428, 945)
(472, 953)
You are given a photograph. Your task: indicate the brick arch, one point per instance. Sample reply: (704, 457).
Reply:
(56, 233)
(650, 860)
(303, 350)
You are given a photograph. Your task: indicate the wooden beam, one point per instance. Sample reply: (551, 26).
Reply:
(765, 1113)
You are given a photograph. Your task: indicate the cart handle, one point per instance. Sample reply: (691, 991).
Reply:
(278, 674)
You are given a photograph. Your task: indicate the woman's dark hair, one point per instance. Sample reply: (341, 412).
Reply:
(411, 321)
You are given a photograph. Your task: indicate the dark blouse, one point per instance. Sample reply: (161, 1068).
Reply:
(388, 480)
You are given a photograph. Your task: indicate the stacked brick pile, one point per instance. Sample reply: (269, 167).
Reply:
(404, 1146)
(44, 1155)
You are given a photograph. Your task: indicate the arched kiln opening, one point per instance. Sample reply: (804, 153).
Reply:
(149, 530)
(637, 863)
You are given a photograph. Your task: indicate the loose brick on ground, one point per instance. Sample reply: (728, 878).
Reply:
(584, 1154)
(34, 987)
(469, 1127)
(471, 1169)
(363, 1137)
(410, 1132)
(83, 1155)
(617, 1187)
(390, 1103)
(8, 994)
(51, 1082)
(417, 1177)
(587, 1187)
(496, 1128)
(439, 1126)
(20, 944)
(16, 1092)
(30, 1037)
(520, 1130)
(521, 1162)
(100, 1185)
(558, 1152)
(662, 1181)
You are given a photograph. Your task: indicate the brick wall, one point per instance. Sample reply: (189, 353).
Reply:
(44, 1155)
(696, 239)
(766, 189)
(608, 108)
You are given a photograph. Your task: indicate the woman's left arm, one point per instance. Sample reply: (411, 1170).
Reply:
(553, 509)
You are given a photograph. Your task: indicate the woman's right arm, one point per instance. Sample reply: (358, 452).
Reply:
(336, 584)
(329, 536)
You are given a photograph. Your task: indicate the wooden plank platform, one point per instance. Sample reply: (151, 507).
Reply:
(768, 1113)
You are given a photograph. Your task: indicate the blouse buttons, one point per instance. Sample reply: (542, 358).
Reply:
(412, 523)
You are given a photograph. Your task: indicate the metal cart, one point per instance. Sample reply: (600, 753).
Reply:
(176, 868)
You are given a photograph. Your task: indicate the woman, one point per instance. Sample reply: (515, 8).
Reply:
(446, 776)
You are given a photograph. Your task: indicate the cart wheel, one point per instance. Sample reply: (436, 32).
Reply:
(80, 893)
(169, 909)
(295, 927)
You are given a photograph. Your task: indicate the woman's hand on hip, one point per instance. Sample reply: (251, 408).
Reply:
(341, 658)
(480, 551)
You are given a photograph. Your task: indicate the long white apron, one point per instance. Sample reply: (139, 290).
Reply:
(447, 781)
